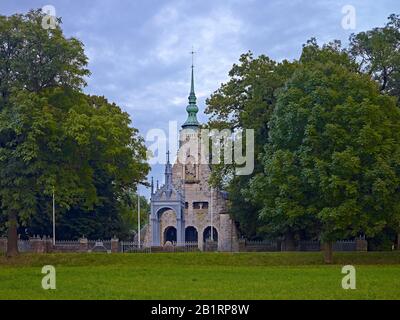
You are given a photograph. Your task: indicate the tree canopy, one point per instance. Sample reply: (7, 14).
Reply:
(246, 101)
(332, 162)
(54, 137)
(378, 54)
(326, 139)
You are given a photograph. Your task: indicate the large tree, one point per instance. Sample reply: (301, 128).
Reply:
(52, 136)
(246, 101)
(96, 164)
(378, 53)
(332, 162)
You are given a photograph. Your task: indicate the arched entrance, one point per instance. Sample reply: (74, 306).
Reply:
(207, 234)
(191, 234)
(170, 234)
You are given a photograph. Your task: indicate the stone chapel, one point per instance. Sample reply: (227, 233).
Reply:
(186, 209)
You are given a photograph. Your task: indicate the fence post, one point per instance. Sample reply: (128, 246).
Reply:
(48, 245)
(361, 244)
(38, 244)
(115, 245)
(83, 244)
(242, 245)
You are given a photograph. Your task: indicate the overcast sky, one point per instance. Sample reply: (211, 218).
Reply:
(139, 50)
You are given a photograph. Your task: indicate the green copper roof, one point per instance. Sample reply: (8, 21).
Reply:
(192, 108)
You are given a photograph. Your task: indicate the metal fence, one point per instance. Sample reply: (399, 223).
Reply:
(66, 246)
(310, 245)
(34, 245)
(24, 246)
(67, 243)
(99, 246)
(189, 246)
(264, 245)
(315, 245)
(345, 245)
(133, 247)
(303, 245)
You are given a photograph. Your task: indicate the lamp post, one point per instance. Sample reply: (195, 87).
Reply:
(138, 205)
(211, 211)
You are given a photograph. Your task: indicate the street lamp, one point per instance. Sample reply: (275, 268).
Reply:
(138, 205)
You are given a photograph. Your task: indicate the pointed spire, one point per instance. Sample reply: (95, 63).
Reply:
(192, 108)
(168, 173)
(192, 83)
(192, 95)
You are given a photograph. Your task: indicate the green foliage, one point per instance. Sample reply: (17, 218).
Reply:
(34, 58)
(82, 146)
(332, 164)
(246, 101)
(378, 52)
(53, 137)
(129, 214)
(329, 146)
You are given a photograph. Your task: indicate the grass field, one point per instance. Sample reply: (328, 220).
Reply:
(201, 276)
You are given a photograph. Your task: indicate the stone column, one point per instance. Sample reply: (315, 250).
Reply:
(242, 245)
(47, 244)
(180, 231)
(37, 244)
(83, 244)
(227, 240)
(115, 245)
(361, 245)
(155, 229)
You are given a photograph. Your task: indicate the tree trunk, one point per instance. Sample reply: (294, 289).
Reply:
(12, 237)
(289, 242)
(328, 252)
(398, 241)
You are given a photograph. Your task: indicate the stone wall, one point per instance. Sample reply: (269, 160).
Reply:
(168, 219)
(204, 207)
(41, 245)
(361, 245)
(45, 245)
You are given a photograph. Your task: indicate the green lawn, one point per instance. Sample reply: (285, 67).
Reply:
(201, 276)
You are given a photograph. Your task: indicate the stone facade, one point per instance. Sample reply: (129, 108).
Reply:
(204, 208)
(186, 208)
